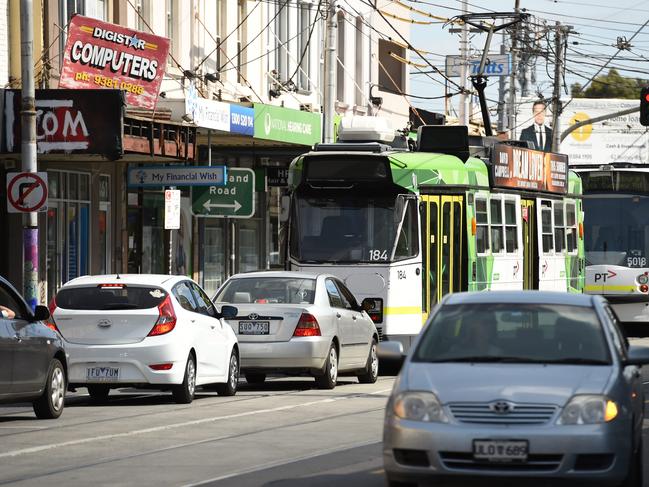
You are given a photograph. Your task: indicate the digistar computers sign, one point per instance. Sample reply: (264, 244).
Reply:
(103, 55)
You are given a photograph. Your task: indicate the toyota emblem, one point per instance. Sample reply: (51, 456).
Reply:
(253, 316)
(501, 407)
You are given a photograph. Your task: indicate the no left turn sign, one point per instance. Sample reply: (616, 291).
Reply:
(26, 192)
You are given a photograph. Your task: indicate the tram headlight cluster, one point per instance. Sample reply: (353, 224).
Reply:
(643, 279)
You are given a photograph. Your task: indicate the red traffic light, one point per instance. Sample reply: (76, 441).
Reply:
(646, 98)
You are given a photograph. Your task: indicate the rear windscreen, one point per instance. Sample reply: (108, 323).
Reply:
(100, 298)
(268, 290)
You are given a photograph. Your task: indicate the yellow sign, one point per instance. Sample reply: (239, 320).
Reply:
(582, 133)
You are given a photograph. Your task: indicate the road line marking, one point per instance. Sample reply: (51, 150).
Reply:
(279, 463)
(156, 429)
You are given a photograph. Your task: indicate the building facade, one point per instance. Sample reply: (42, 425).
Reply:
(259, 63)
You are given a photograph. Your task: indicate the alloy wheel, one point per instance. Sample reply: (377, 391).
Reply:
(57, 389)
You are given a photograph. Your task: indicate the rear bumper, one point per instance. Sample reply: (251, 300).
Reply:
(132, 360)
(297, 353)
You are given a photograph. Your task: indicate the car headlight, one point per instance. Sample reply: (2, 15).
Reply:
(588, 409)
(419, 406)
(642, 279)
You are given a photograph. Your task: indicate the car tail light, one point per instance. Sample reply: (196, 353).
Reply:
(374, 308)
(307, 326)
(50, 323)
(166, 320)
(161, 366)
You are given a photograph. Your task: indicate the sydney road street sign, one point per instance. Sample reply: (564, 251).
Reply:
(234, 200)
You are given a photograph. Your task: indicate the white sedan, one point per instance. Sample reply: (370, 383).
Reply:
(139, 330)
(294, 322)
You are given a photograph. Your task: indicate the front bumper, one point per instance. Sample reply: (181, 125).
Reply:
(297, 353)
(132, 360)
(555, 452)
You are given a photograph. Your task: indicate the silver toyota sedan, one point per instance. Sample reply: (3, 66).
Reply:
(527, 384)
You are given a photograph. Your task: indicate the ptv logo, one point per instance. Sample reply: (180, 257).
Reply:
(603, 276)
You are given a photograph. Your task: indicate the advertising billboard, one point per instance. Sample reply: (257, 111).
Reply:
(102, 55)
(519, 168)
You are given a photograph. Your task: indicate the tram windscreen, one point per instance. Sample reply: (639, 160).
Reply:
(616, 229)
(353, 228)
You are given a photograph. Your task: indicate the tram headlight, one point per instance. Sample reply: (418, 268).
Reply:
(642, 279)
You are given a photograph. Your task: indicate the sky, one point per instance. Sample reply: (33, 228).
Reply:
(596, 27)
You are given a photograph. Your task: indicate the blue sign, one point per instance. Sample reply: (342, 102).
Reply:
(242, 120)
(162, 176)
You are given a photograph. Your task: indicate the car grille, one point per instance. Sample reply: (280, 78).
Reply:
(485, 413)
(534, 463)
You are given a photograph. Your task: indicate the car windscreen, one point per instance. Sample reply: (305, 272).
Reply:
(109, 298)
(537, 333)
(286, 290)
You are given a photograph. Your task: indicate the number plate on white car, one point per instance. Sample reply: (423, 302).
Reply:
(500, 450)
(102, 373)
(254, 327)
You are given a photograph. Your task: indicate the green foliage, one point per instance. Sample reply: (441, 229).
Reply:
(611, 85)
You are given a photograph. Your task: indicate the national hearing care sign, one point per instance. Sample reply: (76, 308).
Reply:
(103, 55)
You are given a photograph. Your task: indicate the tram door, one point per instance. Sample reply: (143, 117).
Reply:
(443, 247)
(530, 250)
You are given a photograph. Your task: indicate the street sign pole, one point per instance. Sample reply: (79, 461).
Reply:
(28, 149)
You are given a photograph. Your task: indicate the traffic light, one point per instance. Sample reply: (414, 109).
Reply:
(644, 106)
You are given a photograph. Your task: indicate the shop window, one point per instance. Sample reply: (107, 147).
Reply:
(213, 254)
(495, 207)
(511, 229)
(482, 227)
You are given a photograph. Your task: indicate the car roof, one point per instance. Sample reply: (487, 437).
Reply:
(142, 279)
(521, 297)
(294, 274)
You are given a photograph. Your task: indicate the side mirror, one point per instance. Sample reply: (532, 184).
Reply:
(229, 312)
(638, 355)
(41, 313)
(390, 350)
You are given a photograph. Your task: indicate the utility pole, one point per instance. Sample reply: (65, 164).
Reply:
(330, 72)
(511, 104)
(501, 95)
(560, 31)
(464, 61)
(28, 149)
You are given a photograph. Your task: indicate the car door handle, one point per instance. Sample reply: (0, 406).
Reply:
(18, 338)
(354, 317)
(338, 315)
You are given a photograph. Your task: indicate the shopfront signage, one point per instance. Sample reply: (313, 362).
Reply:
(242, 120)
(217, 115)
(160, 176)
(68, 122)
(519, 168)
(26, 192)
(172, 209)
(277, 176)
(102, 55)
(496, 65)
(287, 125)
(234, 200)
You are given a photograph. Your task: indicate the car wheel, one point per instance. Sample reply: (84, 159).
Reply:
(329, 376)
(230, 387)
(51, 403)
(371, 372)
(184, 393)
(634, 477)
(98, 392)
(255, 377)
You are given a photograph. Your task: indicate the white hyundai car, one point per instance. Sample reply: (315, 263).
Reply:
(143, 330)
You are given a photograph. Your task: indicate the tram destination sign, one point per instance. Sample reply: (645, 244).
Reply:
(234, 200)
(528, 169)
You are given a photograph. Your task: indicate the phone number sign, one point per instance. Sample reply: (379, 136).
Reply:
(102, 55)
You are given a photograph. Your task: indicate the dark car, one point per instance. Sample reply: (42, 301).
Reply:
(32, 359)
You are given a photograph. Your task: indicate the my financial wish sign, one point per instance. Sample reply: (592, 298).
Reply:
(102, 55)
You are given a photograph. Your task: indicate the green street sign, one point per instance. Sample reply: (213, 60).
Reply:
(234, 200)
(287, 125)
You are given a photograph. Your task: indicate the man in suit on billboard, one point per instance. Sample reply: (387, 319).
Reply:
(538, 133)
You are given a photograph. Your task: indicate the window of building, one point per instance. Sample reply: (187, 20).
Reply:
(482, 225)
(340, 64)
(282, 39)
(170, 7)
(359, 71)
(304, 40)
(392, 72)
(242, 35)
(221, 26)
(142, 15)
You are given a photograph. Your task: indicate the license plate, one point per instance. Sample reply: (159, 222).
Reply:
(500, 450)
(102, 373)
(254, 327)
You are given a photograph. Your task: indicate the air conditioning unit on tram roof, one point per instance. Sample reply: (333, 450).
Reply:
(361, 128)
